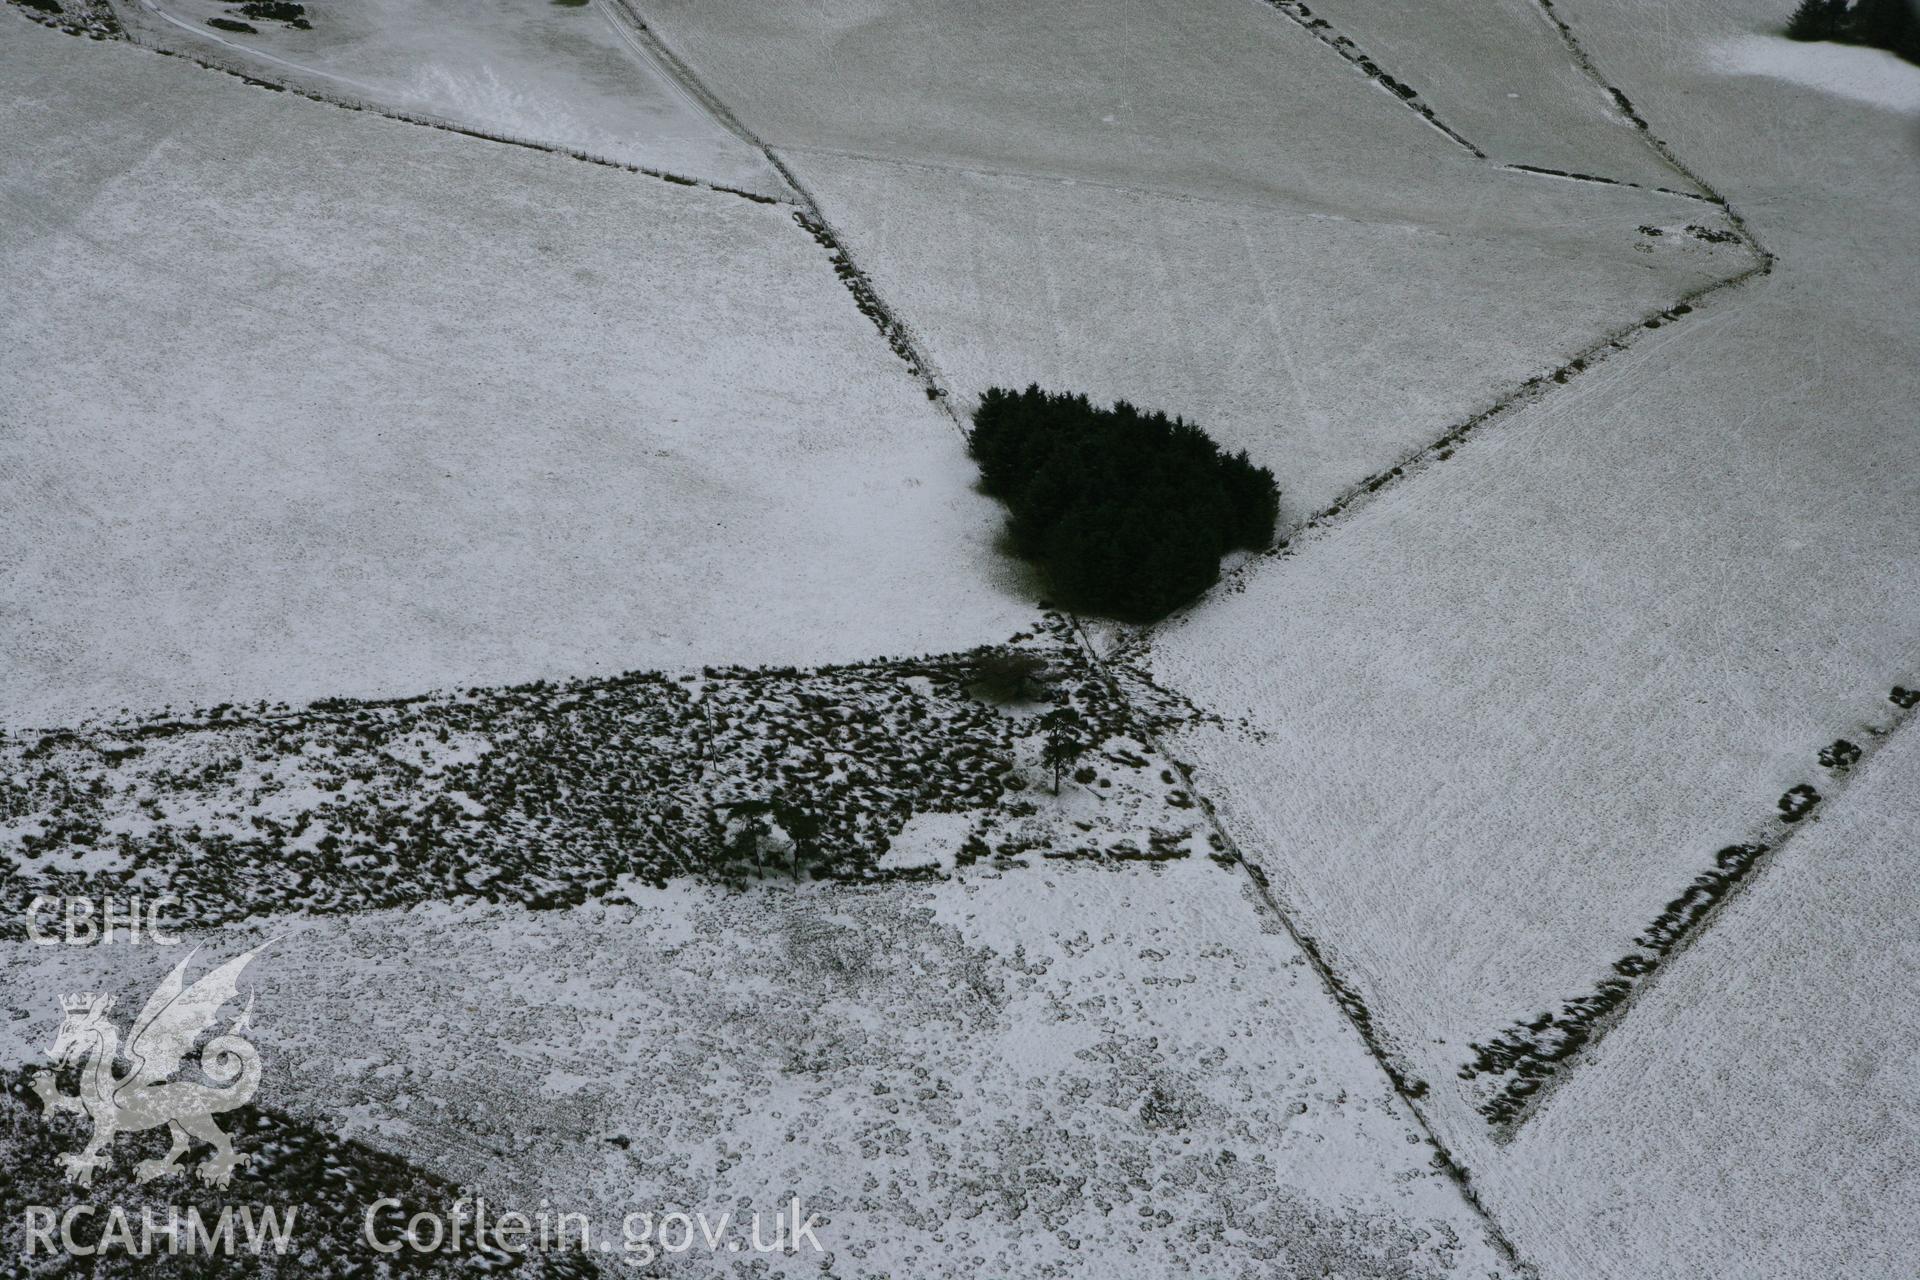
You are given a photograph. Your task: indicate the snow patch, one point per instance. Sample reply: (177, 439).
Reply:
(1872, 76)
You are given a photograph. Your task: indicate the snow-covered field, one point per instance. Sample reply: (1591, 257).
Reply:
(1329, 346)
(1600, 645)
(506, 531)
(304, 403)
(1872, 76)
(1214, 97)
(1073, 1070)
(1269, 243)
(1498, 72)
(573, 75)
(1754, 1117)
(1575, 661)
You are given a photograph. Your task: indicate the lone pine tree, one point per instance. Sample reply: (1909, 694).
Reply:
(1066, 741)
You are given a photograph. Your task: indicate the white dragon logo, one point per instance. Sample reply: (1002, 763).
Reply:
(146, 1096)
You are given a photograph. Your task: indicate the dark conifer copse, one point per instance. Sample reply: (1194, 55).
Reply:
(1883, 24)
(1127, 512)
(1813, 20)
(1887, 24)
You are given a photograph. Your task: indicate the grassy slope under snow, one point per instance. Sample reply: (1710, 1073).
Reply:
(1264, 241)
(1595, 648)
(307, 403)
(566, 75)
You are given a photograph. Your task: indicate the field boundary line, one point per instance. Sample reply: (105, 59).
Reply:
(1351, 1004)
(130, 33)
(1437, 450)
(1735, 865)
(1615, 1001)
(1631, 114)
(1529, 391)
(1322, 30)
(1536, 1057)
(905, 343)
(806, 209)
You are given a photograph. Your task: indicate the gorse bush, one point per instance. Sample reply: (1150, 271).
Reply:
(294, 15)
(1884, 24)
(1128, 513)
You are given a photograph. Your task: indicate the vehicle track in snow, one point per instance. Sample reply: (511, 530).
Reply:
(259, 55)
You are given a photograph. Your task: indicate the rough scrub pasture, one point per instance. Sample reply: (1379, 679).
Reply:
(1056, 1070)
(555, 793)
(293, 1161)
